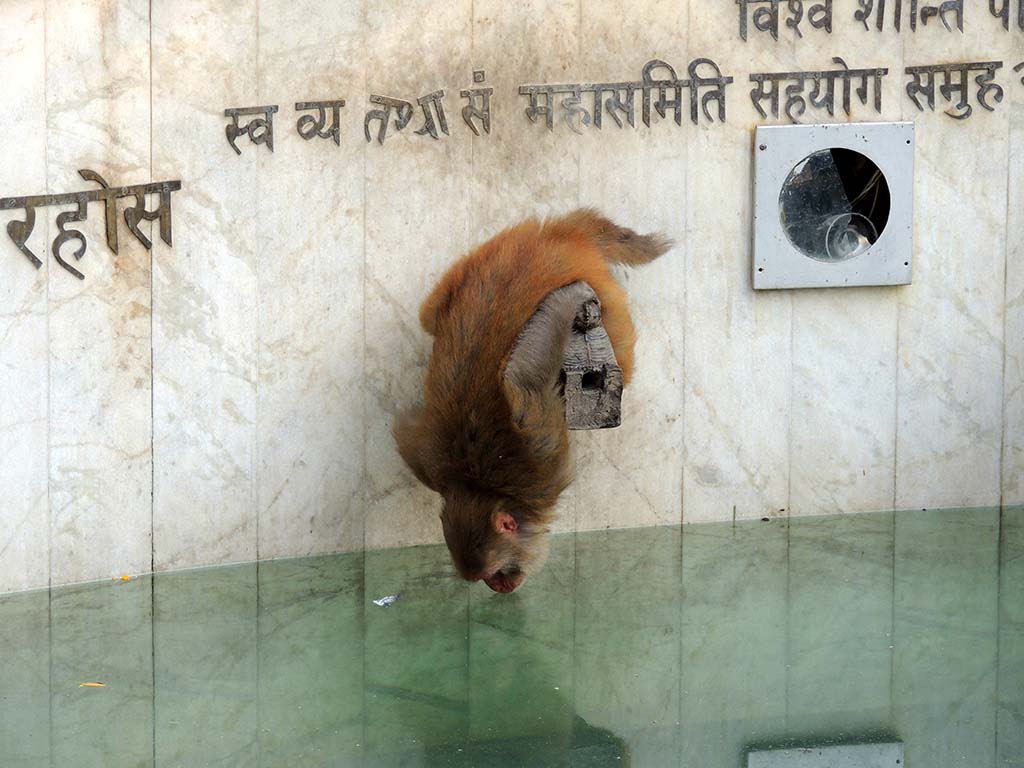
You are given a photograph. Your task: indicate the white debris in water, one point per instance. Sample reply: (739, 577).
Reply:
(387, 600)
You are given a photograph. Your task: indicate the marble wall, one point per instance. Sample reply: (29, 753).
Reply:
(230, 397)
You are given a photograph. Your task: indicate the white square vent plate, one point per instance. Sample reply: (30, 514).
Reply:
(833, 205)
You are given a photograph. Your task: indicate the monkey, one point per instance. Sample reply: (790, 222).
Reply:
(490, 435)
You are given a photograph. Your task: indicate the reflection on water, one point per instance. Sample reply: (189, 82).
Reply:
(649, 647)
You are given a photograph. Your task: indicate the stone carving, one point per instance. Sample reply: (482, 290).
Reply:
(591, 377)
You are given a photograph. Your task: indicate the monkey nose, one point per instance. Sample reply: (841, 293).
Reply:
(502, 582)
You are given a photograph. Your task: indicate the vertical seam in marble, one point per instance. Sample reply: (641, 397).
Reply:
(152, 445)
(999, 616)
(575, 610)
(576, 498)
(467, 229)
(364, 475)
(789, 416)
(49, 643)
(49, 396)
(362, 654)
(364, 380)
(896, 411)
(792, 46)
(892, 622)
(254, 494)
(899, 317)
(152, 355)
(49, 361)
(579, 55)
(684, 252)
(684, 448)
(152, 650)
(789, 626)
(259, 669)
(1006, 273)
(468, 672)
(472, 139)
(682, 601)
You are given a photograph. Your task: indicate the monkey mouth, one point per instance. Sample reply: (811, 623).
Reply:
(502, 581)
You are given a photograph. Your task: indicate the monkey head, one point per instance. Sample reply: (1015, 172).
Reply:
(491, 540)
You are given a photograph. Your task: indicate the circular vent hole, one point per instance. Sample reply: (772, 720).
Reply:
(834, 204)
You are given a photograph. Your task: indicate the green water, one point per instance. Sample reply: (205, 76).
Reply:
(650, 647)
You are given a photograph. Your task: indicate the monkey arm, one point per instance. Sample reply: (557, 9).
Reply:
(409, 437)
(531, 375)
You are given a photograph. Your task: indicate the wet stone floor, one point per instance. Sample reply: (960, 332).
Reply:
(650, 647)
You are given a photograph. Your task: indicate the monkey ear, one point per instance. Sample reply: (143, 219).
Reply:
(505, 524)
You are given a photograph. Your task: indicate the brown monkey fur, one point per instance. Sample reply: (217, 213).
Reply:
(491, 437)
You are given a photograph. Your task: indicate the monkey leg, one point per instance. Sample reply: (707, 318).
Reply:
(565, 335)
(532, 373)
(537, 357)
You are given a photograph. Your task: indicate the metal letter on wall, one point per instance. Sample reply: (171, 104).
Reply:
(309, 126)
(20, 231)
(259, 129)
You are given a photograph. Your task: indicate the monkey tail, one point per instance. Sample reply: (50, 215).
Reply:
(619, 245)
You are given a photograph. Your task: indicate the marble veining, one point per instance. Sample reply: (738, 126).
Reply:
(204, 290)
(633, 477)
(949, 418)
(100, 424)
(24, 350)
(309, 423)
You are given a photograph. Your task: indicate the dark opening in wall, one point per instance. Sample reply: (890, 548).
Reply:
(834, 204)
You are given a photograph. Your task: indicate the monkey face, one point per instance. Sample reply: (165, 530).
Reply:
(490, 544)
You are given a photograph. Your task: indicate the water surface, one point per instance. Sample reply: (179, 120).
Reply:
(650, 647)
